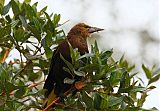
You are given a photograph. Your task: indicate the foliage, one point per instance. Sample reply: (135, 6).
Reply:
(110, 85)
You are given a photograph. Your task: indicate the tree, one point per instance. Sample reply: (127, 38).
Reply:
(110, 84)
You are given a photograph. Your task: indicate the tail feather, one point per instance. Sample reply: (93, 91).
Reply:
(52, 96)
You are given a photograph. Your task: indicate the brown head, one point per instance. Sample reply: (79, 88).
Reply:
(83, 30)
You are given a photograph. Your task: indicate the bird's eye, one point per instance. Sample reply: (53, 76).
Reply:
(87, 26)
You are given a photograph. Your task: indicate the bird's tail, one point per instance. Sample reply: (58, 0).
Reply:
(52, 96)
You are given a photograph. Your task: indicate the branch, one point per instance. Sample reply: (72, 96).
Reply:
(63, 23)
(5, 55)
(35, 84)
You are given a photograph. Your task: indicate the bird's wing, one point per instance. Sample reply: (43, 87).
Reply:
(54, 81)
(56, 66)
(49, 83)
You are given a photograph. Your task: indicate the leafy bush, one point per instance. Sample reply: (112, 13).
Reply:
(110, 85)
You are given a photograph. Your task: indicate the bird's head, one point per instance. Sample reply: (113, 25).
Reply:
(83, 30)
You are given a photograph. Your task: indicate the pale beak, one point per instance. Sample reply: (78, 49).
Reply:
(94, 29)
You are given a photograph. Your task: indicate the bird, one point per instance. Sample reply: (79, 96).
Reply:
(77, 38)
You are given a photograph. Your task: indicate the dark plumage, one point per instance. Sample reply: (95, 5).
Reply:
(55, 81)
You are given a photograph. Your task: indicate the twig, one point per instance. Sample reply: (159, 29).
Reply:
(5, 55)
(63, 23)
(35, 84)
(15, 62)
(24, 68)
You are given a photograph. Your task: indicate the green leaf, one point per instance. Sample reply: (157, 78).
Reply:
(15, 8)
(74, 53)
(23, 20)
(87, 100)
(27, 1)
(115, 78)
(9, 87)
(151, 87)
(105, 55)
(30, 12)
(131, 68)
(115, 100)
(97, 101)
(123, 80)
(2, 53)
(42, 10)
(67, 70)
(37, 24)
(129, 100)
(56, 19)
(35, 32)
(69, 81)
(10, 105)
(90, 68)
(6, 8)
(48, 51)
(147, 71)
(94, 48)
(1, 9)
(48, 38)
(121, 60)
(154, 79)
(14, 23)
(142, 99)
(33, 76)
(4, 71)
(107, 84)
(132, 108)
(126, 90)
(29, 56)
(79, 73)
(70, 66)
(28, 70)
(19, 34)
(2, 2)
(34, 6)
(80, 105)
(49, 25)
(104, 102)
(20, 92)
(20, 83)
(5, 31)
(139, 89)
(85, 56)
